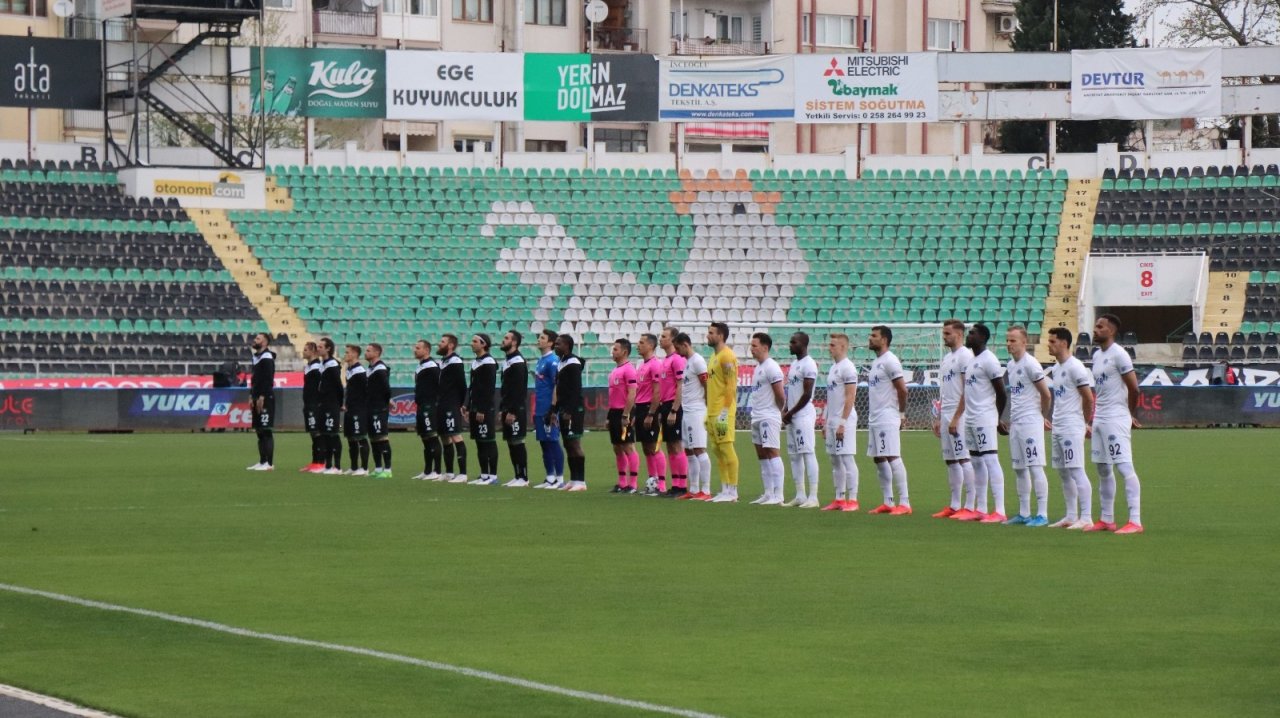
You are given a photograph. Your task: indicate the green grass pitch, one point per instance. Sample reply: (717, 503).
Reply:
(733, 610)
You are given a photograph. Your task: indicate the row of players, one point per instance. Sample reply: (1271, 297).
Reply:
(681, 400)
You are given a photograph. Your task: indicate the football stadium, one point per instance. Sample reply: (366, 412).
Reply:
(318, 316)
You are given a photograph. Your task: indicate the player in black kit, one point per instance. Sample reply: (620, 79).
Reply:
(481, 412)
(311, 406)
(379, 410)
(262, 398)
(569, 411)
(356, 407)
(452, 397)
(329, 400)
(426, 391)
(514, 406)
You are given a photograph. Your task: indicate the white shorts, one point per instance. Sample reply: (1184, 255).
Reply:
(1068, 449)
(848, 446)
(1111, 442)
(800, 436)
(954, 448)
(884, 440)
(1026, 444)
(767, 433)
(693, 430)
(981, 439)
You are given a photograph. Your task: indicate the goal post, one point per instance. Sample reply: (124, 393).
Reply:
(918, 346)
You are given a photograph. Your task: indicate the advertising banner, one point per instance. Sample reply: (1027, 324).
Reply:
(205, 189)
(1142, 84)
(867, 87)
(283, 380)
(583, 88)
(48, 72)
(320, 82)
(455, 86)
(735, 89)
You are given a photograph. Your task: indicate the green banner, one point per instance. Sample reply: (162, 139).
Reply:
(557, 87)
(321, 82)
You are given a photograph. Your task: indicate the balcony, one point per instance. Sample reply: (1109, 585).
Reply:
(83, 28)
(333, 22)
(717, 47)
(621, 39)
(999, 7)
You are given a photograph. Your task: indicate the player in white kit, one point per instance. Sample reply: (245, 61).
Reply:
(984, 402)
(766, 419)
(799, 420)
(841, 424)
(887, 391)
(947, 425)
(1116, 386)
(690, 405)
(1072, 408)
(1029, 400)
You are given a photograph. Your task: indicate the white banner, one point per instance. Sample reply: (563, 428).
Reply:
(202, 189)
(107, 9)
(1140, 84)
(867, 87)
(455, 85)
(726, 89)
(1130, 281)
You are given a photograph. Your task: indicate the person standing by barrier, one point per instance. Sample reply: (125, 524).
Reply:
(263, 399)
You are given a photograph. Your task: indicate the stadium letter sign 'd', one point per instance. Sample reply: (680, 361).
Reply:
(320, 82)
(867, 88)
(1140, 84)
(455, 86)
(48, 72)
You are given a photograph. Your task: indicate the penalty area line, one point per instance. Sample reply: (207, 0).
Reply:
(358, 651)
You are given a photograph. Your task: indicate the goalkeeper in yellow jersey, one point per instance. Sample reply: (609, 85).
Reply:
(722, 408)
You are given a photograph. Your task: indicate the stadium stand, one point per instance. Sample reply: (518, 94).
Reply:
(1231, 213)
(95, 281)
(394, 255)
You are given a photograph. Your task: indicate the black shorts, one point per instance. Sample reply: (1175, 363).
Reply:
(378, 423)
(330, 419)
(355, 424)
(573, 424)
(266, 418)
(514, 432)
(448, 421)
(311, 419)
(620, 429)
(486, 430)
(643, 435)
(425, 421)
(671, 427)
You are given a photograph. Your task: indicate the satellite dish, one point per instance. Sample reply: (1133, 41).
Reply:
(597, 11)
(64, 8)
(371, 3)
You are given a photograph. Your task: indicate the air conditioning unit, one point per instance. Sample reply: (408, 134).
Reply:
(1008, 24)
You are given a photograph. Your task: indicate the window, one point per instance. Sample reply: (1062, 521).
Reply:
(946, 35)
(278, 4)
(757, 28)
(419, 8)
(472, 144)
(729, 28)
(832, 30)
(473, 10)
(544, 12)
(24, 7)
(544, 145)
(616, 140)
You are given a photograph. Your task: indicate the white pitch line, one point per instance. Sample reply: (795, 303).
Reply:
(51, 702)
(367, 652)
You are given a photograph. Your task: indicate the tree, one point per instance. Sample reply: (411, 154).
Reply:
(1082, 25)
(1239, 23)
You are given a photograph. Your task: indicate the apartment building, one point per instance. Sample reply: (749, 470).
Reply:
(661, 27)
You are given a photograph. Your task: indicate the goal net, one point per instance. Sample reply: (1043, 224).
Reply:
(918, 346)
